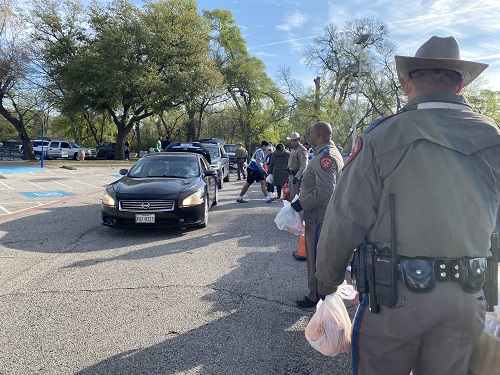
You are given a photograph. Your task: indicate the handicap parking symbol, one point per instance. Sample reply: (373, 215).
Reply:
(46, 194)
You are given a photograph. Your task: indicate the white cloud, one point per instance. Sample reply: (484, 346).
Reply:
(292, 21)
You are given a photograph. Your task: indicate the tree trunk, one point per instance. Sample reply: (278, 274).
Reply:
(21, 130)
(73, 128)
(138, 132)
(317, 98)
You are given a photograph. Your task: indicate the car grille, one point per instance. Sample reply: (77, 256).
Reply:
(147, 206)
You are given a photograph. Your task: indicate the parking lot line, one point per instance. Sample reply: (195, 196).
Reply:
(32, 183)
(84, 183)
(60, 183)
(7, 186)
(4, 209)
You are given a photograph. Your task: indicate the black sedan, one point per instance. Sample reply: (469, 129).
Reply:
(162, 189)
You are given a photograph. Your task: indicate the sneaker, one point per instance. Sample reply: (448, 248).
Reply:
(241, 200)
(270, 200)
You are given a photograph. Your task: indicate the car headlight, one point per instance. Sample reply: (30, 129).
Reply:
(108, 199)
(193, 199)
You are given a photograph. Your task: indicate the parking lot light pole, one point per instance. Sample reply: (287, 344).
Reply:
(41, 156)
(361, 41)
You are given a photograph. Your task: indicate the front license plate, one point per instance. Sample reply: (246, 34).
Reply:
(145, 218)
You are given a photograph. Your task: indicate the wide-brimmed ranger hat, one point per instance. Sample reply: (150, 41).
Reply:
(293, 136)
(238, 143)
(439, 53)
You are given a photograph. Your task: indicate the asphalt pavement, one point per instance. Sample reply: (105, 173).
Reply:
(80, 298)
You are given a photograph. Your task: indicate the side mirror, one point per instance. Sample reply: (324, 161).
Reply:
(123, 171)
(210, 172)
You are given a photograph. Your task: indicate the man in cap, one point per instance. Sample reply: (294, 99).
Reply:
(422, 184)
(297, 163)
(318, 183)
(241, 155)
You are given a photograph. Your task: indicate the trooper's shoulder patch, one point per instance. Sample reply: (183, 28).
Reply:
(326, 162)
(357, 148)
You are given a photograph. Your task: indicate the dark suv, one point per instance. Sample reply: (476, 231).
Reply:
(106, 150)
(219, 162)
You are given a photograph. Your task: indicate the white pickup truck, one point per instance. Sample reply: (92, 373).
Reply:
(64, 149)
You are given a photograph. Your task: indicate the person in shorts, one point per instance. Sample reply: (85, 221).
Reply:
(256, 172)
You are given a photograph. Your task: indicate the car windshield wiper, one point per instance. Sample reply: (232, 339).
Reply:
(164, 176)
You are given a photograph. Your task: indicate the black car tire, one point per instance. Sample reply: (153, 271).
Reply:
(219, 183)
(75, 156)
(216, 197)
(38, 156)
(205, 218)
(226, 179)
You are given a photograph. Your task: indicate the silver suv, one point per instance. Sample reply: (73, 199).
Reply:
(64, 149)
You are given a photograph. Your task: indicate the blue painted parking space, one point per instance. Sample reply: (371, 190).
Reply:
(46, 194)
(11, 169)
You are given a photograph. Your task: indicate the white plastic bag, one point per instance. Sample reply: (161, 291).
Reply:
(289, 220)
(329, 330)
(269, 179)
(492, 319)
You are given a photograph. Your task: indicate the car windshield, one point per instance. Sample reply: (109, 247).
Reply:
(75, 145)
(230, 148)
(166, 166)
(214, 152)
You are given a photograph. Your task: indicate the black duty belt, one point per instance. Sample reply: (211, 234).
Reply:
(419, 274)
(293, 173)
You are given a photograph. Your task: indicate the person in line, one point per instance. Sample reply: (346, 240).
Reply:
(241, 155)
(158, 144)
(279, 168)
(256, 172)
(297, 163)
(165, 142)
(318, 184)
(310, 150)
(127, 150)
(422, 185)
(267, 162)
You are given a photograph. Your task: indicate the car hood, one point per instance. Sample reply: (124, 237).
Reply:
(143, 188)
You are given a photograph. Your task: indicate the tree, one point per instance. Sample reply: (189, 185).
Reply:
(131, 62)
(335, 57)
(17, 97)
(257, 98)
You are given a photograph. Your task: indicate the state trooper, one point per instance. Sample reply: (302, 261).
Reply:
(318, 183)
(297, 163)
(432, 171)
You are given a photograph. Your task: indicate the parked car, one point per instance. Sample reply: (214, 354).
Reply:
(231, 152)
(38, 147)
(219, 161)
(106, 150)
(58, 148)
(214, 153)
(212, 140)
(162, 189)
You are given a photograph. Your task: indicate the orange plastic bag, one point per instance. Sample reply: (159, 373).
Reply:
(286, 191)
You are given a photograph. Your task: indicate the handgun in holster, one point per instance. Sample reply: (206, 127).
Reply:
(490, 286)
(376, 270)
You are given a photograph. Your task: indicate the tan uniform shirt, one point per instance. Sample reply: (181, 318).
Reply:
(442, 162)
(319, 180)
(240, 153)
(298, 160)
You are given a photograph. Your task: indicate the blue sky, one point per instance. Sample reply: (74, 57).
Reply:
(277, 31)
